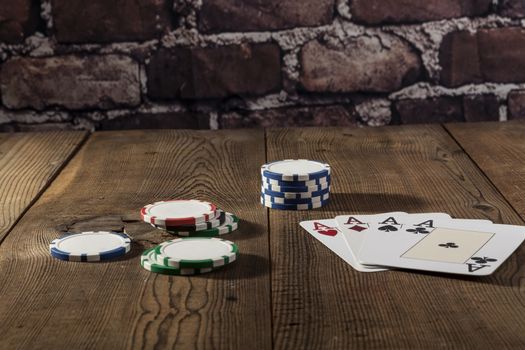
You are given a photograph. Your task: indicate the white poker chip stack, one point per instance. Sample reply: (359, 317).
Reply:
(295, 184)
(199, 223)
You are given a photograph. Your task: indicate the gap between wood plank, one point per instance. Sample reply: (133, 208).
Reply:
(482, 172)
(269, 245)
(48, 183)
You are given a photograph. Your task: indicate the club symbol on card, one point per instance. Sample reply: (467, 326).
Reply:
(357, 228)
(483, 260)
(449, 245)
(388, 228)
(417, 230)
(328, 232)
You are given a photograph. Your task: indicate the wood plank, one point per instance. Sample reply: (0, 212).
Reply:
(499, 150)
(47, 303)
(28, 163)
(320, 302)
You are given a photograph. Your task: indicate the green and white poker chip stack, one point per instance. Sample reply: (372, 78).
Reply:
(189, 256)
(200, 250)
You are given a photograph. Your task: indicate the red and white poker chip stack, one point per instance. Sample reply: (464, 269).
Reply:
(189, 218)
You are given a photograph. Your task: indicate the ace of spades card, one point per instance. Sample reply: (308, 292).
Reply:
(472, 247)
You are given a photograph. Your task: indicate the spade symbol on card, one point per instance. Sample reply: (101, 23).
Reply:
(387, 228)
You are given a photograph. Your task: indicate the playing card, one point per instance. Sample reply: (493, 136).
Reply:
(327, 232)
(355, 227)
(472, 247)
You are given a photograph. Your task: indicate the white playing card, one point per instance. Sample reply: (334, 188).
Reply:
(327, 232)
(355, 227)
(471, 247)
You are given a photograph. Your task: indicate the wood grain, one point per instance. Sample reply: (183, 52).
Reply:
(499, 150)
(47, 303)
(28, 163)
(320, 302)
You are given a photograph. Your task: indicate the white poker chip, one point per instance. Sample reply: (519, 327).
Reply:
(309, 183)
(295, 189)
(280, 200)
(295, 170)
(148, 261)
(230, 224)
(309, 206)
(90, 246)
(296, 195)
(178, 212)
(196, 253)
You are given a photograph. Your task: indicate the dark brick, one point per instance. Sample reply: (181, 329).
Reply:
(493, 55)
(171, 120)
(435, 110)
(73, 82)
(512, 8)
(18, 19)
(375, 63)
(214, 72)
(255, 15)
(337, 115)
(79, 21)
(458, 57)
(414, 11)
(516, 104)
(479, 108)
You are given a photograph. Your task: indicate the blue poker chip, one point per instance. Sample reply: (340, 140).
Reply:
(90, 246)
(309, 183)
(280, 200)
(307, 206)
(296, 195)
(295, 170)
(296, 189)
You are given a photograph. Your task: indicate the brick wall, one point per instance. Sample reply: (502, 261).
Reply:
(250, 63)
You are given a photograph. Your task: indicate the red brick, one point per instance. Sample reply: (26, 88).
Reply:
(512, 8)
(493, 55)
(435, 110)
(367, 63)
(254, 15)
(79, 21)
(479, 108)
(337, 115)
(171, 120)
(516, 104)
(73, 82)
(18, 19)
(214, 72)
(413, 11)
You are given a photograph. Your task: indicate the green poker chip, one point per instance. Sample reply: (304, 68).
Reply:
(149, 262)
(196, 253)
(231, 223)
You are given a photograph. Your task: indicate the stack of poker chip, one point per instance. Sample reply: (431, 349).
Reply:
(189, 218)
(199, 250)
(189, 256)
(90, 246)
(295, 184)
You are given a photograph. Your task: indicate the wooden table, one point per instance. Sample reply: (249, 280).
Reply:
(286, 291)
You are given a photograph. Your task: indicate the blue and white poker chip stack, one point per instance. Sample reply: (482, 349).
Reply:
(295, 184)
